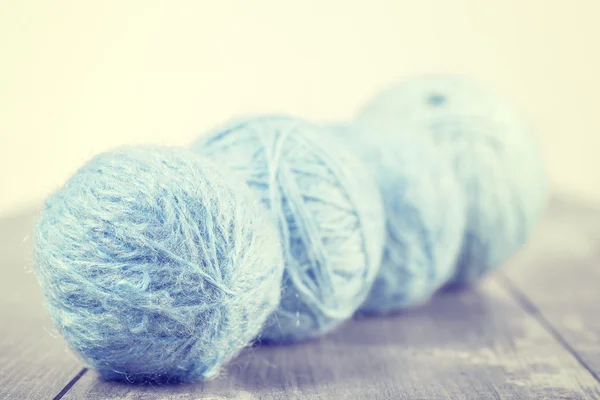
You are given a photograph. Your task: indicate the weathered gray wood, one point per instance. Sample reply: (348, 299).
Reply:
(476, 344)
(514, 337)
(557, 277)
(34, 362)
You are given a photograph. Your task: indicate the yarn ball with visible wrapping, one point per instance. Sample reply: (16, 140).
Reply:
(492, 151)
(156, 266)
(328, 211)
(425, 216)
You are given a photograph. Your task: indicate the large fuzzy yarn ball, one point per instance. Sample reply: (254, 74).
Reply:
(328, 211)
(156, 266)
(425, 215)
(492, 151)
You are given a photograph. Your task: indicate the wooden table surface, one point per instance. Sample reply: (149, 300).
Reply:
(529, 331)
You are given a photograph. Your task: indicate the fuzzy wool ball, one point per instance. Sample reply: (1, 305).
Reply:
(156, 265)
(425, 216)
(492, 152)
(328, 211)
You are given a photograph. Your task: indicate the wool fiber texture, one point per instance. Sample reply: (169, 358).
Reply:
(328, 211)
(492, 152)
(425, 215)
(157, 266)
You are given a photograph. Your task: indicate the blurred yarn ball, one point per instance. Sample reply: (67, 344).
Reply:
(425, 215)
(156, 266)
(328, 211)
(493, 154)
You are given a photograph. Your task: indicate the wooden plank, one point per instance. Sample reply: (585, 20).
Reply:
(34, 362)
(557, 277)
(475, 344)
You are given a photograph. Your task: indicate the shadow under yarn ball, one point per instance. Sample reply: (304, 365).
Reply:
(156, 266)
(327, 209)
(492, 151)
(425, 215)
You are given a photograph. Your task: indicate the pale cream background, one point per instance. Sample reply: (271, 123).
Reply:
(78, 77)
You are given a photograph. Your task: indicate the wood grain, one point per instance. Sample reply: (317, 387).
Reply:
(476, 344)
(557, 277)
(34, 362)
(529, 332)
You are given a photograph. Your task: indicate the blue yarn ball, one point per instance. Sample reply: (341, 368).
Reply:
(425, 215)
(493, 154)
(156, 266)
(327, 209)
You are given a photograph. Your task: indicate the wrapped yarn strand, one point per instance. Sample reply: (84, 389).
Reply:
(425, 216)
(327, 209)
(491, 150)
(156, 265)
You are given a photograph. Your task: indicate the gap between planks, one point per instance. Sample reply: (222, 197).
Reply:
(534, 311)
(521, 300)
